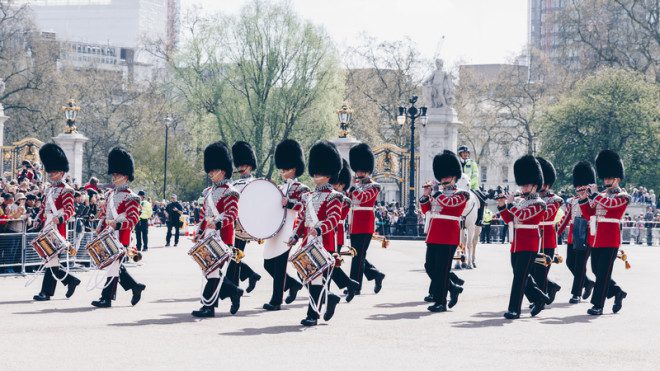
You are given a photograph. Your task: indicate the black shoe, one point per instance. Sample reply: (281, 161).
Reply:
(236, 301)
(167, 244)
(453, 296)
(511, 315)
(176, 244)
(595, 311)
(253, 282)
(464, 265)
(437, 308)
(379, 283)
(271, 307)
(468, 266)
(546, 299)
(102, 303)
(588, 287)
(459, 281)
(474, 265)
(536, 309)
(618, 301)
(353, 288)
(457, 266)
(71, 288)
(333, 300)
(204, 312)
(429, 299)
(137, 293)
(293, 292)
(574, 299)
(41, 297)
(552, 291)
(308, 322)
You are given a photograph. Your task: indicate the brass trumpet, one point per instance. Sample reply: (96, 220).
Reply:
(384, 242)
(134, 254)
(624, 257)
(351, 252)
(238, 255)
(546, 260)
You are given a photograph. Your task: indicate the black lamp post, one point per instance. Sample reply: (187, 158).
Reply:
(168, 122)
(412, 113)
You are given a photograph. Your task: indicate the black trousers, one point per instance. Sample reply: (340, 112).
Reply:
(227, 289)
(239, 272)
(141, 234)
(576, 260)
(602, 262)
(168, 237)
(340, 278)
(126, 281)
(540, 273)
(453, 285)
(485, 233)
(359, 265)
(49, 282)
(523, 283)
(276, 267)
(437, 266)
(316, 297)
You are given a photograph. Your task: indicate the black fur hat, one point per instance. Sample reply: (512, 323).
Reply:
(324, 159)
(446, 164)
(217, 156)
(289, 155)
(344, 176)
(243, 155)
(528, 171)
(583, 174)
(361, 158)
(549, 173)
(609, 165)
(121, 162)
(53, 158)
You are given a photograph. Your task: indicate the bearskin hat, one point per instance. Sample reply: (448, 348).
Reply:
(528, 171)
(324, 159)
(583, 174)
(121, 162)
(344, 176)
(549, 173)
(361, 158)
(289, 155)
(217, 156)
(243, 155)
(446, 164)
(609, 165)
(53, 158)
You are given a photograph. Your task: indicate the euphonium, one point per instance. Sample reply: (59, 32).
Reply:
(624, 257)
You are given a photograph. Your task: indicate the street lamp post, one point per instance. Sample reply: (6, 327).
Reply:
(168, 122)
(412, 113)
(70, 113)
(344, 115)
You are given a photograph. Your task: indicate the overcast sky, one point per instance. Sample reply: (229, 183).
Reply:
(476, 31)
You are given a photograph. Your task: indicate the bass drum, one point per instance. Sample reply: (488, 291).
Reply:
(260, 211)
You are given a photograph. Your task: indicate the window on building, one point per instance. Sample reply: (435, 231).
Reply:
(484, 174)
(505, 174)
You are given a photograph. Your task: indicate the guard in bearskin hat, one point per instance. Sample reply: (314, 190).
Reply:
(579, 240)
(526, 213)
(443, 211)
(289, 160)
(364, 195)
(339, 277)
(318, 219)
(56, 209)
(120, 214)
(245, 163)
(605, 210)
(218, 213)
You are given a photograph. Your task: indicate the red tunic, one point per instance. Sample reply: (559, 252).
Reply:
(606, 209)
(553, 203)
(363, 198)
(445, 212)
(529, 211)
(127, 205)
(225, 199)
(62, 196)
(327, 205)
(572, 211)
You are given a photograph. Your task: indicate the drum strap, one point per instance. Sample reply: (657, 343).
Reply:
(217, 216)
(54, 212)
(311, 211)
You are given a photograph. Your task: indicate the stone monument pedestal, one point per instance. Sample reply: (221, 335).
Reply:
(344, 145)
(440, 133)
(73, 147)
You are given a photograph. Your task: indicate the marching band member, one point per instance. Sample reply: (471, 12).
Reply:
(525, 214)
(318, 219)
(217, 215)
(120, 214)
(548, 233)
(289, 159)
(364, 194)
(445, 209)
(577, 249)
(245, 163)
(605, 210)
(339, 277)
(56, 209)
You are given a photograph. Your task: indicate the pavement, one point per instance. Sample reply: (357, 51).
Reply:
(390, 330)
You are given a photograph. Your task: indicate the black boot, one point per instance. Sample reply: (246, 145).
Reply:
(379, 283)
(253, 282)
(588, 287)
(553, 288)
(352, 289)
(204, 312)
(594, 311)
(429, 299)
(437, 308)
(293, 292)
(618, 301)
(333, 300)
(511, 315)
(308, 322)
(41, 297)
(453, 296)
(271, 307)
(71, 287)
(102, 303)
(236, 301)
(574, 299)
(137, 293)
(536, 309)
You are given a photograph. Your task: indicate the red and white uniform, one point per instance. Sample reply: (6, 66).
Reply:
(444, 210)
(122, 206)
(552, 203)
(326, 205)
(219, 211)
(526, 214)
(362, 218)
(58, 205)
(572, 211)
(293, 190)
(345, 210)
(604, 211)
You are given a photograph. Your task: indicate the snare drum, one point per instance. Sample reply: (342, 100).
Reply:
(311, 261)
(210, 253)
(49, 243)
(260, 211)
(105, 249)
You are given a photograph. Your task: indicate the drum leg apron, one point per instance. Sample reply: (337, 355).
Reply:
(227, 289)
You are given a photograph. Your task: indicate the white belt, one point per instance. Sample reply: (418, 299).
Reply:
(547, 223)
(447, 217)
(525, 226)
(362, 208)
(607, 220)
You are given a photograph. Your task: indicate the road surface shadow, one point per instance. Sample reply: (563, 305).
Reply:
(168, 319)
(401, 305)
(273, 330)
(17, 302)
(581, 318)
(418, 270)
(60, 310)
(493, 322)
(488, 314)
(399, 316)
(186, 300)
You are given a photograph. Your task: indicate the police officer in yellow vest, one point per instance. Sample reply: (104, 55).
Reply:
(142, 227)
(471, 169)
(487, 221)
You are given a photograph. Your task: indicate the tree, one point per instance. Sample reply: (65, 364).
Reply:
(612, 109)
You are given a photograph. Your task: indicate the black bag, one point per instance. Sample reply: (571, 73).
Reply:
(580, 233)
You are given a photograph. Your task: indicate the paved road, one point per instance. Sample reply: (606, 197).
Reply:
(391, 330)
